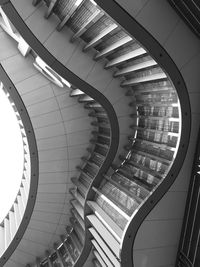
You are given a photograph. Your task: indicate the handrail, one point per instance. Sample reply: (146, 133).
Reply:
(28, 188)
(160, 55)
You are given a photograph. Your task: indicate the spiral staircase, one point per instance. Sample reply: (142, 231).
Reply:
(106, 161)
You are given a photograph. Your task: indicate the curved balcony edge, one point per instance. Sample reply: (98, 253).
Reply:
(65, 73)
(34, 162)
(165, 61)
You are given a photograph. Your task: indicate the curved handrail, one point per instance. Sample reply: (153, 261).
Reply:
(79, 193)
(167, 64)
(31, 180)
(66, 74)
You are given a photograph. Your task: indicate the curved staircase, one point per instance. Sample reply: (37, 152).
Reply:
(110, 204)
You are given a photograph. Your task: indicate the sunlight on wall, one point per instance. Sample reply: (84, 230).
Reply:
(11, 156)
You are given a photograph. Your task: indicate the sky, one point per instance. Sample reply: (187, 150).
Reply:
(11, 155)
